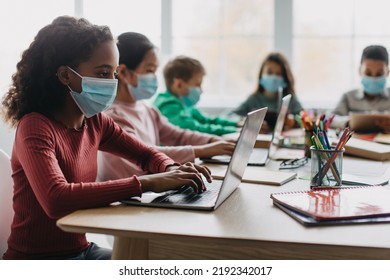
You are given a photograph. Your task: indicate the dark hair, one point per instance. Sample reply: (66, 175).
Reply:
(181, 67)
(287, 75)
(132, 48)
(35, 87)
(375, 52)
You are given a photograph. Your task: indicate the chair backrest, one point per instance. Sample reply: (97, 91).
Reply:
(6, 194)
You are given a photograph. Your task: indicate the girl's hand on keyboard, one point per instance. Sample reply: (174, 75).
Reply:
(175, 177)
(214, 149)
(196, 168)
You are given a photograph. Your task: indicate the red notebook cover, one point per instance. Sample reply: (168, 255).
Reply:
(338, 203)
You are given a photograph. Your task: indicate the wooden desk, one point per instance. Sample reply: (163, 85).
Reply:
(245, 226)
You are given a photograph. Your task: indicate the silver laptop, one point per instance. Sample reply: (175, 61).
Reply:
(218, 190)
(260, 156)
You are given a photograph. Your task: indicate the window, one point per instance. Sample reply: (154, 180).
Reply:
(143, 16)
(328, 40)
(21, 20)
(230, 38)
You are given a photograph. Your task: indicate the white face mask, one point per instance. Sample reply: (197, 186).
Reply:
(96, 94)
(147, 85)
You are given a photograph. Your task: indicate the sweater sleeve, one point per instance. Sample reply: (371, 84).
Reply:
(178, 115)
(342, 107)
(35, 151)
(245, 107)
(117, 141)
(177, 142)
(341, 111)
(204, 124)
(35, 148)
(175, 136)
(295, 106)
(203, 118)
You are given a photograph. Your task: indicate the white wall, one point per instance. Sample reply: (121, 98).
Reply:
(6, 137)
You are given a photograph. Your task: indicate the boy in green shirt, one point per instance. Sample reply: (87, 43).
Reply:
(183, 79)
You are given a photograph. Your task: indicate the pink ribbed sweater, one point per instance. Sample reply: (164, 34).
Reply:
(54, 170)
(148, 125)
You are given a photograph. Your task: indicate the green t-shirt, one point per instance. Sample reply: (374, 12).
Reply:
(191, 118)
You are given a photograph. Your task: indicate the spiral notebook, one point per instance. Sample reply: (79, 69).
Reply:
(337, 205)
(309, 221)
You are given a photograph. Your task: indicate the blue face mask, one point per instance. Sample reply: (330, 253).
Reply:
(146, 86)
(272, 83)
(374, 86)
(193, 96)
(96, 94)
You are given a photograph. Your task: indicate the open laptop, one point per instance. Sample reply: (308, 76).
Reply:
(218, 190)
(275, 151)
(260, 156)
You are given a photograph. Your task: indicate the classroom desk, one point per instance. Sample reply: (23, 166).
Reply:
(245, 226)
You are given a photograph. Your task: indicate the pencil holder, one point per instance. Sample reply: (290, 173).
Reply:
(308, 142)
(326, 167)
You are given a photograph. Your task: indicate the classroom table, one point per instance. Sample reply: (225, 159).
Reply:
(245, 226)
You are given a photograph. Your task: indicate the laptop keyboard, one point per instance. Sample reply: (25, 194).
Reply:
(186, 194)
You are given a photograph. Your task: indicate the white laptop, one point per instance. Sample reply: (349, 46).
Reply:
(218, 190)
(260, 156)
(276, 152)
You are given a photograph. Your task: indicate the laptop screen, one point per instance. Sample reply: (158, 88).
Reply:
(277, 135)
(242, 152)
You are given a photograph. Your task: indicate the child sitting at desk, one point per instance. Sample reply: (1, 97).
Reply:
(63, 82)
(137, 82)
(275, 80)
(373, 95)
(183, 80)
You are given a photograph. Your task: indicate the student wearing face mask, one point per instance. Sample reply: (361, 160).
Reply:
(61, 85)
(373, 95)
(137, 82)
(183, 80)
(275, 80)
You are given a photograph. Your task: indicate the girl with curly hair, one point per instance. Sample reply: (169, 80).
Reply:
(63, 82)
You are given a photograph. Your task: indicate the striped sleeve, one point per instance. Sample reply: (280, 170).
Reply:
(35, 143)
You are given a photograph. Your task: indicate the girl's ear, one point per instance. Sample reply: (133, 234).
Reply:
(132, 76)
(123, 73)
(63, 75)
(126, 75)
